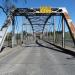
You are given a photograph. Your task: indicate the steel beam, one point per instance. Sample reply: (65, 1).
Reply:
(34, 11)
(63, 33)
(13, 33)
(30, 22)
(54, 28)
(45, 22)
(68, 25)
(22, 35)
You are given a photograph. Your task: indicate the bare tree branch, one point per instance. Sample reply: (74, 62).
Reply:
(8, 4)
(3, 10)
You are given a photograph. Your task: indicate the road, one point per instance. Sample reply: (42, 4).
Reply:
(33, 59)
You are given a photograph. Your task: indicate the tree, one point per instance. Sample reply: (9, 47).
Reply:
(7, 5)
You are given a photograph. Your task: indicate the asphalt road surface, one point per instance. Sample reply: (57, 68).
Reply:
(33, 59)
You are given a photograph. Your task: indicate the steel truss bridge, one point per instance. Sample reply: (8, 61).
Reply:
(38, 21)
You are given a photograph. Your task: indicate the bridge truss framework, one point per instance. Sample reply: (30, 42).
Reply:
(38, 20)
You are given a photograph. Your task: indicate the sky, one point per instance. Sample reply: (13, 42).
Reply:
(69, 4)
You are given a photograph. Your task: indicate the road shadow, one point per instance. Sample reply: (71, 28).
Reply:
(60, 49)
(31, 46)
(2, 49)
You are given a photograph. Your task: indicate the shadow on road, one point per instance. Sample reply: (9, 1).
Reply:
(60, 49)
(2, 49)
(32, 46)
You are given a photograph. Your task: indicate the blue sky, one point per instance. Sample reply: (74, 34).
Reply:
(69, 4)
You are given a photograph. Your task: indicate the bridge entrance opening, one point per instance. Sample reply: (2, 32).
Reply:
(49, 24)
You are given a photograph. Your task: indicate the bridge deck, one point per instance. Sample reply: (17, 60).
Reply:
(33, 59)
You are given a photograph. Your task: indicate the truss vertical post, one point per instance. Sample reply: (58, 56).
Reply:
(33, 35)
(47, 33)
(63, 33)
(13, 33)
(42, 34)
(54, 28)
(22, 35)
